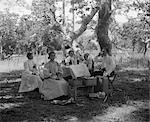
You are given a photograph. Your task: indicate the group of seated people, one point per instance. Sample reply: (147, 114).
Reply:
(50, 82)
(106, 63)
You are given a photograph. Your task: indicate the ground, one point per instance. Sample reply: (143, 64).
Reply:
(128, 105)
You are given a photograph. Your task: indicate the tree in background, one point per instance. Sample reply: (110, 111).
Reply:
(44, 12)
(136, 30)
(42, 24)
(8, 27)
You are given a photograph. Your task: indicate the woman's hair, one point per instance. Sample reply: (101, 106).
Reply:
(50, 53)
(29, 55)
(86, 54)
(70, 51)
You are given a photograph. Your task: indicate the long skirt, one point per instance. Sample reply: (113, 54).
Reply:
(30, 82)
(52, 89)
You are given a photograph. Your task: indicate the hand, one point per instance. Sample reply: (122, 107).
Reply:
(59, 76)
(105, 74)
(54, 76)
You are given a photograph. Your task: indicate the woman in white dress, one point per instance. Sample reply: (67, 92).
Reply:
(30, 77)
(107, 68)
(71, 59)
(54, 85)
(108, 63)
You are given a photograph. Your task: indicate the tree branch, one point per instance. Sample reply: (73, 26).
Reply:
(84, 24)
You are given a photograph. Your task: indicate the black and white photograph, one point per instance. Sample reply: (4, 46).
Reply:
(74, 60)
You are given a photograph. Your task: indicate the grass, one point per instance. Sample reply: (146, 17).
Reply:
(33, 109)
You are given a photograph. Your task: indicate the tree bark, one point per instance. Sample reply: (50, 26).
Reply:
(103, 26)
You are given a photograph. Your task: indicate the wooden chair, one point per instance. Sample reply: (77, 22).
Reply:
(111, 79)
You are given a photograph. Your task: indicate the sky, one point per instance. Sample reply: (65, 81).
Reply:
(29, 2)
(14, 8)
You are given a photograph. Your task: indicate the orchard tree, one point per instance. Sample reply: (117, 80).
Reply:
(102, 28)
(8, 35)
(136, 31)
(44, 13)
(103, 7)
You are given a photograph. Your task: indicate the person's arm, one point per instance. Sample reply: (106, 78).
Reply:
(26, 68)
(90, 63)
(59, 69)
(110, 66)
(103, 65)
(81, 58)
(75, 60)
(46, 71)
(60, 72)
(67, 60)
(35, 69)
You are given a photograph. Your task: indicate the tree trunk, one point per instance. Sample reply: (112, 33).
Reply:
(103, 26)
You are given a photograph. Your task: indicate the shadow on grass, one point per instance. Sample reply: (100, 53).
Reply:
(10, 75)
(142, 115)
(35, 109)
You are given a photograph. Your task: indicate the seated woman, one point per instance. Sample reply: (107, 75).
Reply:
(54, 85)
(98, 67)
(30, 77)
(79, 57)
(89, 63)
(71, 59)
(108, 63)
(107, 68)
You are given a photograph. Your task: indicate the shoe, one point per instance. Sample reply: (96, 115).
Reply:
(71, 100)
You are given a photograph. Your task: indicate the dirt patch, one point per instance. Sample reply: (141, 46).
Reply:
(116, 114)
(133, 111)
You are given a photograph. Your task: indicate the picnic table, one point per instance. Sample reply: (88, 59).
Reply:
(80, 77)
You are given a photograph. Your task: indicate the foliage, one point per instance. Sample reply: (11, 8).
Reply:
(44, 12)
(136, 30)
(8, 31)
(83, 8)
(42, 24)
